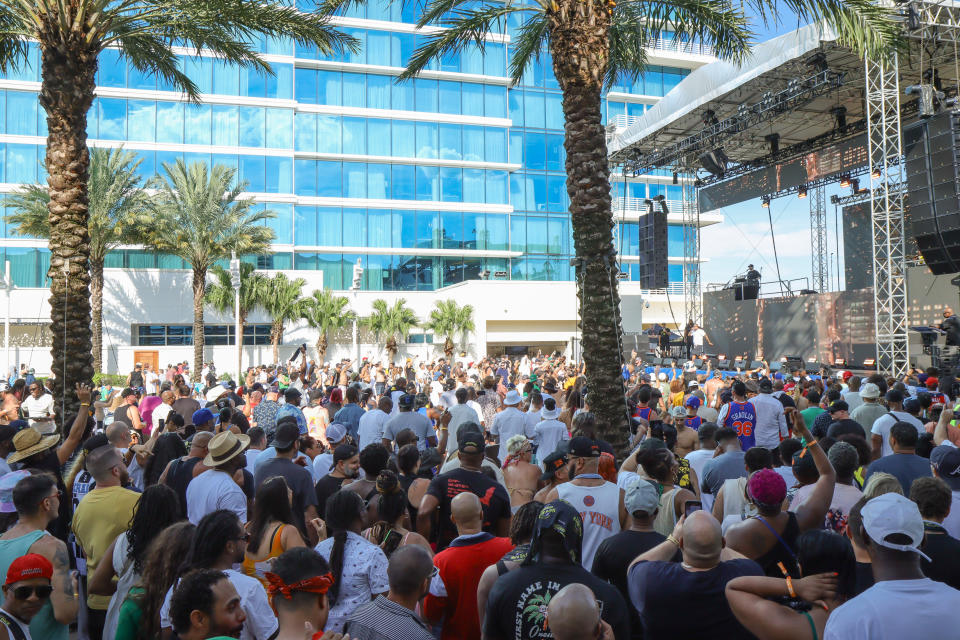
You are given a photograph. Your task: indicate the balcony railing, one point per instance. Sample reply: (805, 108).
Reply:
(673, 289)
(623, 121)
(675, 46)
(634, 206)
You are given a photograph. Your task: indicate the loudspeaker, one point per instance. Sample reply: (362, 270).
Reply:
(932, 150)
(653, 250)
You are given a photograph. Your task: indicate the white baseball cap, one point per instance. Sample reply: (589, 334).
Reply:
(892, 513)
(662, 377)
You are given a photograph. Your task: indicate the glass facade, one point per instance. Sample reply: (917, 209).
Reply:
(452, 174)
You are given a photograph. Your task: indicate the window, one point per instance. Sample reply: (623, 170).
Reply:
(197, 123)
(279, 126)
(159, 335)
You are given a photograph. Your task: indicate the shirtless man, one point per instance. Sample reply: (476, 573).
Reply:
(711, 387)
(519, 474)
(555, 474)
(10, 409)
(687, 440)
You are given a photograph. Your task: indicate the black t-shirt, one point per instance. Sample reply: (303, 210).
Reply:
(520, 598)
(952, 326)
(493, 497)
(661, 590)
(326, 487)
(944, 551)
(613, 557)
(186, 408)
(844, 427)
(298, 479)
(864, 577)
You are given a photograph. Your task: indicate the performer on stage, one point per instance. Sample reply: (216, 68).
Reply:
(951, 326)
(663, 342)
(697, 336)
(688, 338)
(752, 274)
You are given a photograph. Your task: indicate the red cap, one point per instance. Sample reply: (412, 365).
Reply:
(932, 382)
(789, 387)
(32, 565)
(847, 375)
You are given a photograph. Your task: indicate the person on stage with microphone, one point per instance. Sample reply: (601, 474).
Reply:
(950, 326)
(752, 274)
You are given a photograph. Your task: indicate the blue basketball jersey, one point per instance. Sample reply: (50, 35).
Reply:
(742, 418)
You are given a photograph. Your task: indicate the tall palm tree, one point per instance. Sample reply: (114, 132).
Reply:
(283, 304)
(71, 35)
(220, 295)
(198, 216)
(450, 320)
(591, 43)
(117, 201)
(326, 312)
(390, 323)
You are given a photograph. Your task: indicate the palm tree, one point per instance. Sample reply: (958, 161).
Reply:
(197, 216)
(71, 35)
(117, 201)
(450, 320)
(221, 296)
(591, 43)
(283, 304)
(326, 312)
(390, 322)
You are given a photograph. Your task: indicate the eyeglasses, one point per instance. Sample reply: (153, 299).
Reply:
(57, 495)
(22, 593)
(245, 537)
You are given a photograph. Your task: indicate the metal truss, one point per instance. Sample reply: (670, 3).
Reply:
(933, 20)
(819, 258)
(887, 214)
(692, 294)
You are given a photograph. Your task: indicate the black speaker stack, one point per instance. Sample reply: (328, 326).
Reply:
(653, 250)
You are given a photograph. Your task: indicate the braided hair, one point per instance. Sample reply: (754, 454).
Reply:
(343, 510)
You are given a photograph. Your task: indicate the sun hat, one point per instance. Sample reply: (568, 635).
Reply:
(869, 390)
(224, 447)
(512, 398)
(640, 495)
(28, 567)
(548, 413)
(890, 514)
(30, 441)
(214, 392)
(7, 482)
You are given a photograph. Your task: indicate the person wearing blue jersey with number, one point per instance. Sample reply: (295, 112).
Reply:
(644, 395)
(740, 415)
(693, 420)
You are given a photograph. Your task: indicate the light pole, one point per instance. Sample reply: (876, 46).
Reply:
(354, 287)
(8, 287)
(235, 281)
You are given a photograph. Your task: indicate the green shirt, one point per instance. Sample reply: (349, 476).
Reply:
(128, 624)
(810, 414)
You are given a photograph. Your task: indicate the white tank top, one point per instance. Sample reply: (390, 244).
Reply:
(600, 509)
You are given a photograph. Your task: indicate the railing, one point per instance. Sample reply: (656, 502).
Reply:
(672, 45)
(623, 121)
(673, 289)
(632, 206)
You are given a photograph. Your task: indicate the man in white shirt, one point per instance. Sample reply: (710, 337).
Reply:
(549, 432)
(771, 425)
(151, 380)
(852, 394)
(215, 488)
(39, 409)
(902, 600)
(159, 415)
(699, 335)
(881, 427)
(510, 422)
(707, 439)
(370, 430)
(460, 413)
(533, 411)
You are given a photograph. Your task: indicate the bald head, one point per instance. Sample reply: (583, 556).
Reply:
(409, 570)
(702, 540)
(573, 613)
(466, 512)
(200, 441)
(167, 397)
(118, 434)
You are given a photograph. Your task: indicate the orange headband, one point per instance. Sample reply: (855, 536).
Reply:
(316, 584)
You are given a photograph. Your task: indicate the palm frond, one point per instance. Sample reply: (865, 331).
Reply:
(529, 44)
(327, 312)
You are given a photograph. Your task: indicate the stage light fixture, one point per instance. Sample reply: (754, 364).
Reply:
(709, 118)
(765, 202)
(676, 178)
(662, 202)
(802, 193)
(875, 173)
(840, 114)
(845, 181)
(840, 362)
(855, 185)
(774, 140)
(648, 203)
(869, 363)
(715, 162)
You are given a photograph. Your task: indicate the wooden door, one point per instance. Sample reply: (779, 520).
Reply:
(151, 358)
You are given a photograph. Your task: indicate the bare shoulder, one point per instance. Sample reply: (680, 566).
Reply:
(53, 549)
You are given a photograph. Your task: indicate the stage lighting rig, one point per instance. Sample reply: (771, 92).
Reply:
(802, 193)
(709, 118)
(715, 161)
(774, 140)
(662, 202)
(765, 202)
(648, 203)
(845, 181)
(818, 61)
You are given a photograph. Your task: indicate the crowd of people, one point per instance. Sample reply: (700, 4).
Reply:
(480, 500)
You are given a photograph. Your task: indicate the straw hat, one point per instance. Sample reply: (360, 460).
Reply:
(30, 441)
(225, 446)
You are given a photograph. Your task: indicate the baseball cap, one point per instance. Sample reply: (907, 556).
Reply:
(344, 452)
(470, 441)
(944, 458)
(406, 400)
(287, 433)
(678, 412)
(551, 464)
(28, 567)
(583, 447)
(869, 390)
(662, 377)
(890, 514)
(846, 375)
(894, 395)
(202, 416)
(640, 495)
(932, 382)
(336, 432)
(692, 383)
(692, 401)
(839, 405)
(765, 385)
(911, 405)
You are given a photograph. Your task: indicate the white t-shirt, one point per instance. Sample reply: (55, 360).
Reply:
(41, 407)
(260, 623)
(159, 415)
(213, 490)
(508, 423)
(152, 382)
(896, 610)
(370, 430)
(548, 434)
(322, 464)
(698, 335)
(882, 425)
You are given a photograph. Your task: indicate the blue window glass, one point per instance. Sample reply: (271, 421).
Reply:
(148, 166)
(354, 90)
(253, 172)
(332, 268)
(170, 122)
(231, 160)
(280, 261)
(113, 119)
(360, 55)
(451, 147)
(516, 147)
(495, 232)
(280, 84)
(494, 101)
(281, 223)
(451, 184)
(329, 131)
(355, 136)
(518, 233)
(354, 180)
(473, 185)
(404, 139)
(473, 104)
(556, 193)
(378, 46)
(450, 61)
(22, 113)
(279, 175)
(428, 233)
(305, 226)
(536, 235)
(200, 70)
(378, 91)
(653, 80)
(403, 96)
(278, 46)
(378, 181)
(554, 107)
(534, 109)
(518, 190)
(427, 140)
(516, 107)
(305, 262)
(536, 192)
(305, 177)
(253, 83)
(473, 143)
(378, 274)
(471, 60)
(535, 151)
(329, 227)
(305, 135)
(328, 87)
(226, 125)
(675, 240)
(556, 155)
(378, 137)
(452, 222)
(403, 182)
(21, 163)
(495, 60)
(354, 227)
(558, 235)
(280, 128)
(496, 187)
(112, 71)
(197, 124)
(305, 50)
(427, 94)
(137, 79)
(142, 121)
(226, 79)
(675, 272)
(428, 183)
(495, 145)
(378, 225)
(202, 158)
(305, 85)
(404, 229)
(252, 126)
(449, 97)
(329, 181)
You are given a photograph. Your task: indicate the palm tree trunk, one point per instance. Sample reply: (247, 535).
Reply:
(448, 347)
(579, 36)
(391, 349)
(322, 345)
(199, 285)
(96, 312)
(66, 93)
(276, 335)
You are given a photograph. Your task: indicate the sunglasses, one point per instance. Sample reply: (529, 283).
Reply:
(57, 495)
(23, 593)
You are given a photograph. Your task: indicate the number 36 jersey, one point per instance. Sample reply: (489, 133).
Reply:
(742, 418)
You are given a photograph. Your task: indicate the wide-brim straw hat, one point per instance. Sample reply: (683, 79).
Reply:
(224, 447)
(30, 441)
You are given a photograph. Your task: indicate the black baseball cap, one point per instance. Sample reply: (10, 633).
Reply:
(765, 384)
(894, 395)
(344, 452)
(551, 464)
(287, 433)
(470, 441)
(584, 447)
(406, 400)
(839, 405)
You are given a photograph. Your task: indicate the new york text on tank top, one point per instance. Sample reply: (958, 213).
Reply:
(588, 516)
(742, 418)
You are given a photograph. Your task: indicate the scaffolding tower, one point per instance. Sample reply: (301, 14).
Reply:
(819, 255)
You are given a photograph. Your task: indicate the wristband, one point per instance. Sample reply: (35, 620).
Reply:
(84, 404)
(790, 589)
(670, 538)
(808, 445)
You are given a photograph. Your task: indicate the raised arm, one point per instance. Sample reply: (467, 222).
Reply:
(811, 513)
(940, 432)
